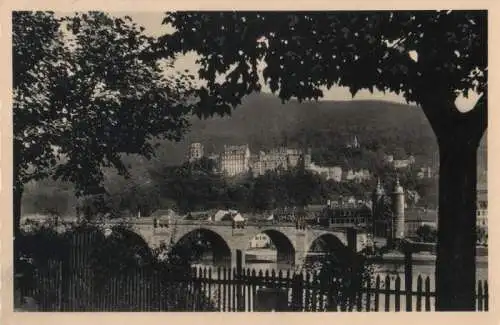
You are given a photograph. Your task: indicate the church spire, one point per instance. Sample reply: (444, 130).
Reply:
(379, 190)
(398, 189)
(356, 142)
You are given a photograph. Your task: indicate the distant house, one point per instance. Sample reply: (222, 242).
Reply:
(424, 172)
(358, 176)
(195, 151)
(399, 163)
(260, 241)
(405, 163)
(328, 173)
(388, 159)
(227, 215)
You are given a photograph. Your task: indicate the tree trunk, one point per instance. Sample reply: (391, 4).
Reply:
(456, 247)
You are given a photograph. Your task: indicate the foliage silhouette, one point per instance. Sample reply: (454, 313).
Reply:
(429, 57)
(84, 95)
(91, 260)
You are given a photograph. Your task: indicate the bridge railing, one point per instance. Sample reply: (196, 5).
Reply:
(228, 223)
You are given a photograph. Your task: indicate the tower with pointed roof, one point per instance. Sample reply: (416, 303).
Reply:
(377, 194)
(398, 209)
(355, 143)
(377, 201)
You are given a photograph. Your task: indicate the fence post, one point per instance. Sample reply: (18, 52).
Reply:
(408, 278)
(297, 291)
(486, 296)
(60, 286)
(239, 271)
(352, 239)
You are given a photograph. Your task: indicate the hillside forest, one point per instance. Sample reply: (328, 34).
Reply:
(326, 127)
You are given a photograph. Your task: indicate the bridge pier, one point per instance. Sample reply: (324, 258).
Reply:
(234, 253)
(352, 239)
(300, 259)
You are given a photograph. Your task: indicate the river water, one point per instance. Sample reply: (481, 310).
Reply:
(265, 260)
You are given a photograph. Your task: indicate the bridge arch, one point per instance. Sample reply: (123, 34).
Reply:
(134, 241)
(327, 244)
(107, 250)
(203, 242)
(285, 248)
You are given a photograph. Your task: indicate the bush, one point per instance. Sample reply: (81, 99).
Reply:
(344, 275)
(83, 269)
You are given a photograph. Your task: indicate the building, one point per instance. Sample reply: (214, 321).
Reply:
(353, 213)
(388, 159)
(482, 205)
(403, 163)
(235, 160)
(329, 173)
(358, 176)
(260, 241)
(399, 163)
(278, 158)
(270, 161)
(195, 151)
(293, 157)
(424, 172)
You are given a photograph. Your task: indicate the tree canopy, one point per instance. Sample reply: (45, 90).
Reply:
(84, 94)
(429, 57)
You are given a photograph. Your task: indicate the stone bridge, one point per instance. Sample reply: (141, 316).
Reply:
(292, 242)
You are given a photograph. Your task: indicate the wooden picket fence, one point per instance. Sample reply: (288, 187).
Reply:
(73, 287)
(230, 290)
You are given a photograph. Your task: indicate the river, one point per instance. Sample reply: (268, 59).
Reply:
(424, 266)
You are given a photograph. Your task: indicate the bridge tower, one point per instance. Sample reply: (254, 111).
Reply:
(377, 202)
(398, 210)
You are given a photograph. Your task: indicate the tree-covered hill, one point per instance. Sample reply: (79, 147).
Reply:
(264, 122)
